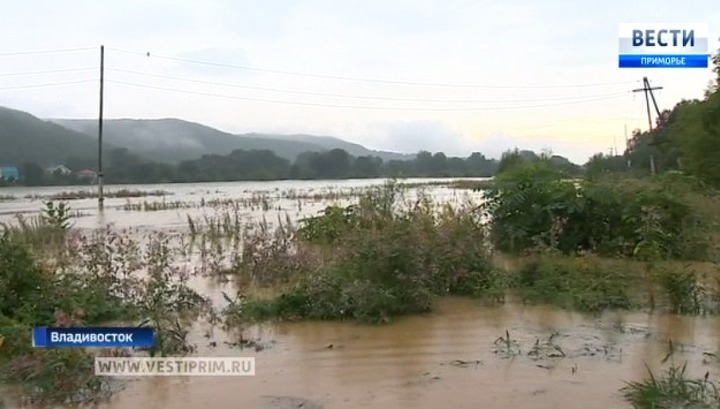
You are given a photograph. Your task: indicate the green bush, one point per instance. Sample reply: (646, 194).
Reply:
(23, 285)
(534, 205)
(384, 258)
(95, 284)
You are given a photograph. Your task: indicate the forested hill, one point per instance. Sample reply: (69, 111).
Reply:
(26, 138)
(174, 140)
(171, 150)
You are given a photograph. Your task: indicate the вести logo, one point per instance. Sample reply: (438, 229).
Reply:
(663, 45)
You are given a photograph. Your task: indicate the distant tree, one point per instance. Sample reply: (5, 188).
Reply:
(337, 163)
(600, 164)
(439, 164)
(32, 174)
(510, 160)
(366, 166)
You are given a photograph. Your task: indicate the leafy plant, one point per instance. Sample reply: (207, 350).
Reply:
(57, 216)
(534, 205)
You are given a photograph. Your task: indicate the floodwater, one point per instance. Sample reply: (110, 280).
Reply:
(280, 194)
(447, 359)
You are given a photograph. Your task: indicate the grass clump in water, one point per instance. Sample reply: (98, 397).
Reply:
(382, 258)
(673, 390)
(584, 283)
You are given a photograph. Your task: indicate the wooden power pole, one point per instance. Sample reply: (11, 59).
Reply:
(648, 90)
(101, 198)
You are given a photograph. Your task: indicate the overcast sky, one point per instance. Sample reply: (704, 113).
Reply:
(528, 73)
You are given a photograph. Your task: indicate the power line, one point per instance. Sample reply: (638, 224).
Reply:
(367, 97)
(20, 74)
(65, 50)
(358, 106)
(366, 80)
(52, 84)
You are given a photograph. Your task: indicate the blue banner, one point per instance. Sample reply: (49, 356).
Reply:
(93, 337)
(663, 61)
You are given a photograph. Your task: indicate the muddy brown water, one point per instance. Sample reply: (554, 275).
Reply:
(446, 359)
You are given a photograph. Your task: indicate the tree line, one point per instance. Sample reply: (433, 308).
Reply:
(123, 166)
(685, 138)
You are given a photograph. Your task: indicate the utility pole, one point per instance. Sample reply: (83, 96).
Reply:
(627, 148)
(647, 89)
(101, 198)
(615, 145)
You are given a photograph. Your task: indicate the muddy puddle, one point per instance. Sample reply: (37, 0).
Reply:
(451, 358)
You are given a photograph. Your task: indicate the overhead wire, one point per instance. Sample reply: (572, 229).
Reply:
(366, 80)
(56, 51)
(153, 87)
(27, 73)
(51, 84)
(336, 95)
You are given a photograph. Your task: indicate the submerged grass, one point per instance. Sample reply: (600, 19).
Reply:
(89, 194)
(673, 390)
(146, 206)
(584, 283)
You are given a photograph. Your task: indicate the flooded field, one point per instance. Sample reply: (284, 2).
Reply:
(465, 354)
(447, 359)
(168, 206)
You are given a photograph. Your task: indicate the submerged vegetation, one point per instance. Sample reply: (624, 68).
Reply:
(673, 389)
(380, 258)
(583, 245)
(52, 275)
(91, 194)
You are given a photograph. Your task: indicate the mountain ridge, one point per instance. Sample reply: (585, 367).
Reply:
(173, 140)
(27, 138)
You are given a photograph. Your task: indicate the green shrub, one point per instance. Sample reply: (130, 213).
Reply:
(533, 205)
(97, 282)
(23, 285)
(582, 283)
(383, 258)
(685, 293)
